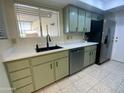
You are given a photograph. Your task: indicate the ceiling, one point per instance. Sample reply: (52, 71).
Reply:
(98, 6)
(104, 4)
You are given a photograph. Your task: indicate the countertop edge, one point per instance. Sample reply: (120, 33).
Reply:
(9, 59)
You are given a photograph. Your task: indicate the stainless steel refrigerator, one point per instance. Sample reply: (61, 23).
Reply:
(102, 32)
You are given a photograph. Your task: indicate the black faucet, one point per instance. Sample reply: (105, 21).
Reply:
(48, 39)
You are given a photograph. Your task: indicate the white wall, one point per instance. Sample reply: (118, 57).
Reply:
(119, 18)
(4, 84)
(5, 44)
(31, 42)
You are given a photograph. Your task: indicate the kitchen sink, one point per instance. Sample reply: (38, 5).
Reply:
(48, 48)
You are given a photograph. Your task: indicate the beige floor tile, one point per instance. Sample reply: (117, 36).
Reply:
(64, 83)
(74, 78)
(102, 88)
(121, 88)
(92, 91)
(70, 89)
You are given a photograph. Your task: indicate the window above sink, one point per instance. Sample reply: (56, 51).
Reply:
(36, 22)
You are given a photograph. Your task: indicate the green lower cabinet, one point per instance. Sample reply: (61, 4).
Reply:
(86, 59)
(29, 75)
(93, 57)
(89, 55)
(48, 73)
(26, 89)
(61, 68)
(43, 75)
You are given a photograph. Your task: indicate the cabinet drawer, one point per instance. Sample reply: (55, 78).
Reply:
(88, 48)
(22, 82)
(20, 74)
(17, 65)
(47, 58)
(94, 48)
(27, 89)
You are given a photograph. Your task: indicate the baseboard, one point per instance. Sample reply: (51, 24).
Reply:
(117, 61)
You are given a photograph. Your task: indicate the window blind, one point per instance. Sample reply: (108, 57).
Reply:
(2, 25)
(28, 10)
(41, 20)
(28, 20)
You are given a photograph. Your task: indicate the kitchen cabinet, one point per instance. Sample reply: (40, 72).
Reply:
(31, 74)
(20, 77)
(81, 20)
(86, 59)
(61, 68)
(89, 55)
(93, 56)
(76, 19)
(43, 75)
(49, 68)
(87, 22)
(96, 16)
(70, 19)
(73, 19)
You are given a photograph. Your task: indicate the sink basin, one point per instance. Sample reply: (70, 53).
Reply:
(47, 49)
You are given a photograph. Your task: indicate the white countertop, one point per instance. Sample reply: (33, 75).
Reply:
(11, 56)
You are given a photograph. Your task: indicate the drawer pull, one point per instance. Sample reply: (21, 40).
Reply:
(56, 64)
(51, 66)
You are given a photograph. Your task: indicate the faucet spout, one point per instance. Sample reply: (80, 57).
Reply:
(48, 39)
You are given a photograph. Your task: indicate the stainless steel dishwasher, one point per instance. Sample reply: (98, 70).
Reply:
(76, 60)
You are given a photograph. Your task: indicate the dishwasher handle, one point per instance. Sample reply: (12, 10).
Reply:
(76, 51)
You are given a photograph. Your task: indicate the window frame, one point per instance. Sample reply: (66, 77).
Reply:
(41, 32)
(3, 21)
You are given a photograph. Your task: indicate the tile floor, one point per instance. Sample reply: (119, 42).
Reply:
(106, 78)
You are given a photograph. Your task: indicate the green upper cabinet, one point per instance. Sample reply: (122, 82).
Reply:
(96, 16)
(88, 22)
(81, 20)
(76, 20)
(86, 59)
(73, 19)
(70, 19)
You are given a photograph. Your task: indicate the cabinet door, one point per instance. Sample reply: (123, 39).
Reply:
(43, 75)
(88, 22)
(73, 18)
(81, 20)
(97, 17)
(93, 57)
(61, 68)
(86, 59)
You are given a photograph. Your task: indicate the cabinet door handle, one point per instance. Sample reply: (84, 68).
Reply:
(90, 53)
(86, 29)
(76, 29)
(51, 66)
(56, 64)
